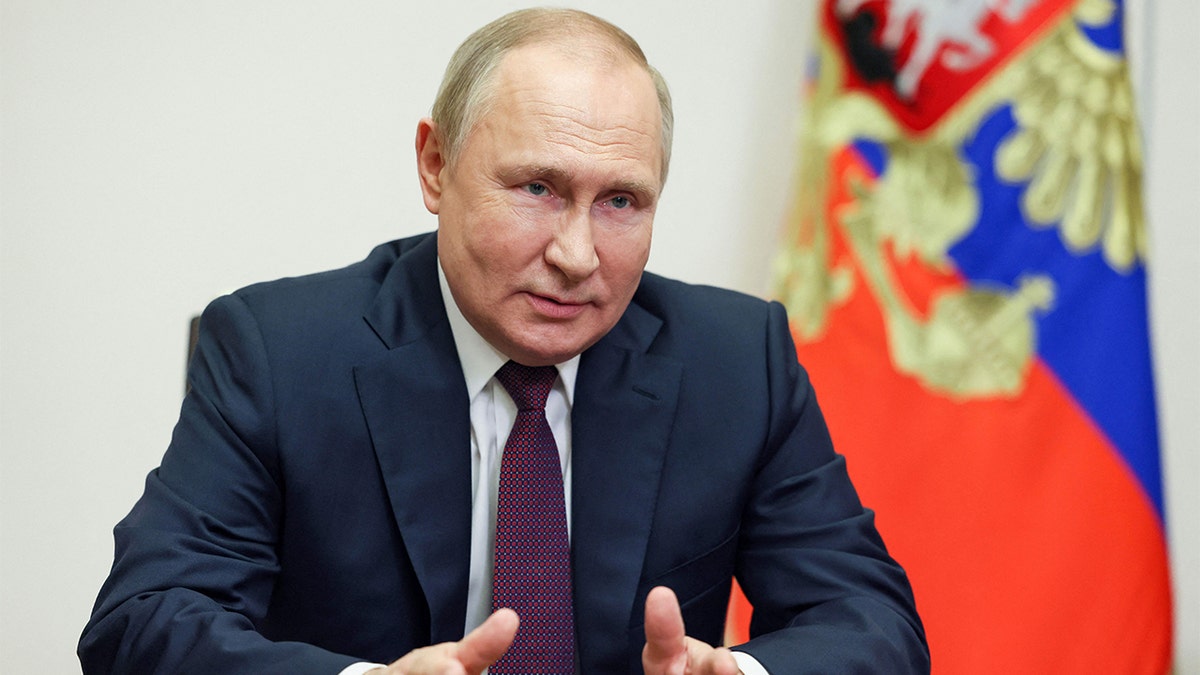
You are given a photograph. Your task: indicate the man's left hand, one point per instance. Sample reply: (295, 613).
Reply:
(669, 651)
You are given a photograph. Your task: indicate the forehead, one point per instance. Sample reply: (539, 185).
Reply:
(589, 101)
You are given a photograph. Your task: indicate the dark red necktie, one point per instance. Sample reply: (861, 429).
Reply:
(533, 553)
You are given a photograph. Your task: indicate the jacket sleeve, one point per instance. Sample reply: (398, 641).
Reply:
(195, 559)
(827, 596)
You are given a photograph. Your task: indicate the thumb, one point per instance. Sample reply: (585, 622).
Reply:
(666, 646)
(486, 644)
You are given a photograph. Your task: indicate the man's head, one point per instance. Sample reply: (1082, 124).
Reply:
(544, 160)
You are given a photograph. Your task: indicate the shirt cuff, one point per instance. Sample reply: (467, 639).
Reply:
(748, 664)
(360, 668)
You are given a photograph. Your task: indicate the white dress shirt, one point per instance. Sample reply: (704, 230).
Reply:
(493, 413)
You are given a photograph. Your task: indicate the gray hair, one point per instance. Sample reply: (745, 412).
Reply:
(467, 86)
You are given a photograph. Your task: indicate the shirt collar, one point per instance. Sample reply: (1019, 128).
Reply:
(479, 359)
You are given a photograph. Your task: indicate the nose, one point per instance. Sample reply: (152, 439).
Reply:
(572, 248)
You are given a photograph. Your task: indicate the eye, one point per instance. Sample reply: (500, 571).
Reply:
(619, 202)
(536, 189)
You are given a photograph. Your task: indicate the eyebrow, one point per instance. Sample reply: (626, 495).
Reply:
(643, 190)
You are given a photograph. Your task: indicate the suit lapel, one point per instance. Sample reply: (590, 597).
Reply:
(624, 407)
(416, 407)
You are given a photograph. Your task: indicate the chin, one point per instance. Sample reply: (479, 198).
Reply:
(541, 357)
(545, 352)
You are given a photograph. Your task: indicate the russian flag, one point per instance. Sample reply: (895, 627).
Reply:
(965, 271)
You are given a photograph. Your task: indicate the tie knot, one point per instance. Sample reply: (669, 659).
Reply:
(527, 385)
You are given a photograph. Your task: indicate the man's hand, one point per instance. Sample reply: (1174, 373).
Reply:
(669, 651)
(469, 656)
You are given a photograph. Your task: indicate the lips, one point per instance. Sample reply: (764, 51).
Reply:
(554, 308)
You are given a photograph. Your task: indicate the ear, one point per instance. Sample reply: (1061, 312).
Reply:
(431, 162)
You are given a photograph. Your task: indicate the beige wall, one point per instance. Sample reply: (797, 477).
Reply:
(155, 154)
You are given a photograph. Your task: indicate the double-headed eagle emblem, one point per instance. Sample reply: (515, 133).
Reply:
(1073, 153)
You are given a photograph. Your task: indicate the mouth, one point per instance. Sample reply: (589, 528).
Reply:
(555, 308)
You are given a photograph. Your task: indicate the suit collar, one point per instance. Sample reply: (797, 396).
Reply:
(635, 331)
(409, 302)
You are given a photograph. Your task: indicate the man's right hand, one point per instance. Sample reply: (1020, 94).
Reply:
(469, 656)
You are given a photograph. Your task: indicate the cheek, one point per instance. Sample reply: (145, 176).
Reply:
(483, 235)
(497, 248)
(625, 257)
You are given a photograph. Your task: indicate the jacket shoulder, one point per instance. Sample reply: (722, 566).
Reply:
(365, 275)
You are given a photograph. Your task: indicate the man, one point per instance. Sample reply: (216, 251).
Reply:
(334, 496)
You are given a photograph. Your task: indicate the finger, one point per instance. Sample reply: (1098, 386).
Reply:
(665, 636)
(711, 661)
(486, 644)
(437, 659)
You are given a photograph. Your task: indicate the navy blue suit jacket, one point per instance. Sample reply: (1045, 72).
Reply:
(313, 508)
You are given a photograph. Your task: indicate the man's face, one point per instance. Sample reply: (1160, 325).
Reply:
(544, 221)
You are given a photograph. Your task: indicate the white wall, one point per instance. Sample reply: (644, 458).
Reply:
(155, 154)
(1170, 101)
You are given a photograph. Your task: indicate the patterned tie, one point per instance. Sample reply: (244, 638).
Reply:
(533, 553)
